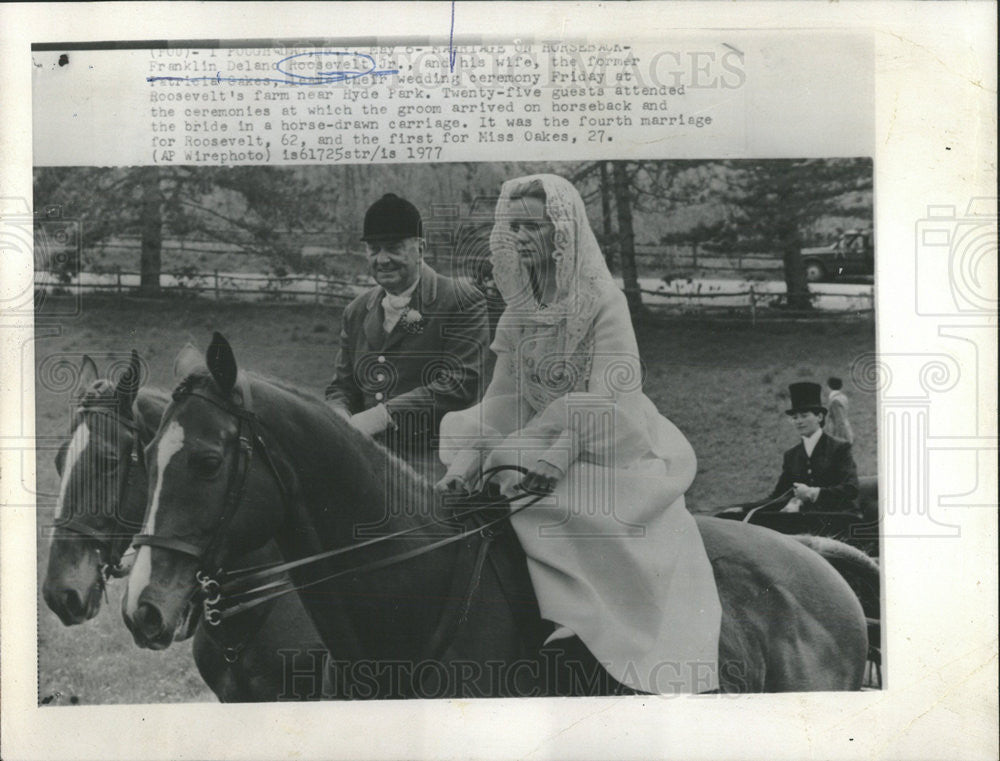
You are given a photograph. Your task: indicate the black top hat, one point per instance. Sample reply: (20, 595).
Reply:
(392, 217)
(806, 397)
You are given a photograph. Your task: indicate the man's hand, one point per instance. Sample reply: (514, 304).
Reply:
(806, 493)
(452, 484)
(794, 505)
(541, 479)
(373, 421)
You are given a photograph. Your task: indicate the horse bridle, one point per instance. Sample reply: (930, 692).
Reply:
(111, 548)
(249, 436)
(214, 584)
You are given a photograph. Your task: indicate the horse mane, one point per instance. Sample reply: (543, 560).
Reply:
(158, 394)
(364, 446)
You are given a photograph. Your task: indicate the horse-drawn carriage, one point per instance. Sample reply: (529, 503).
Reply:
(859, 529)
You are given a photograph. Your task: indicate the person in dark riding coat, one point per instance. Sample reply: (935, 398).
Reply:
(413, 347)
(818, 474)
(820, 469)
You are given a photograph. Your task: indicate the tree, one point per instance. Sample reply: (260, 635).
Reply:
(151, 221)
(616, 185)
(626, 236)
(777, 200)
(254, 209)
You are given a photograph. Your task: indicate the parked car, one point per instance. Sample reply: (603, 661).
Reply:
(853, 253)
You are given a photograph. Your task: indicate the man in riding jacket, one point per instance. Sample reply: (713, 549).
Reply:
(412, 347)
(817, 475)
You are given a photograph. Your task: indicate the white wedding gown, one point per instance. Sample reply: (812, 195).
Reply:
(613, 553)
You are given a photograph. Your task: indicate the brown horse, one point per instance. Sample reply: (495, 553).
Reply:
(239, 460)
(101, 504)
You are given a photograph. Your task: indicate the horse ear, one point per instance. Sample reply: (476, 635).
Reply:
(88, 374)
(186, 362)
(128, 385)
(221, 363)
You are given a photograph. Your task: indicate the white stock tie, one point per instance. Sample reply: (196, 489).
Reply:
(394, 305)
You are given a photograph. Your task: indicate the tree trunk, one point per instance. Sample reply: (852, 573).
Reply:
(796, 285)
(151, 222)
(626, 239)
(606, 228)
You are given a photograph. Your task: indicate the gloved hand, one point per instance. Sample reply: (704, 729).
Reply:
(372, 421)
(806, 493)
(542, 478)
(462, 473)
(794, 506)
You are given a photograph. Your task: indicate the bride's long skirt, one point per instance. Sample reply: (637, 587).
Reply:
(626, 573)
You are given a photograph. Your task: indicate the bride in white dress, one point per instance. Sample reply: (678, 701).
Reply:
(614, 556)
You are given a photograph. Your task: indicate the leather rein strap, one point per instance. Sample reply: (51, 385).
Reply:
(240, 601)
(769, 504)
(272, 582)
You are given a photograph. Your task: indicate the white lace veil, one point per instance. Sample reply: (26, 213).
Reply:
(582, 275)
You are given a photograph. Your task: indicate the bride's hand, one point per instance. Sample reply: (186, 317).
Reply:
(452, 484)
(541, 479)
(463, 470)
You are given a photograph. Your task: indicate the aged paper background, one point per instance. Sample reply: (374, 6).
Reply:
(934, 143)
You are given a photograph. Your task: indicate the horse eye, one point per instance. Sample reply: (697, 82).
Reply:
(206, 466)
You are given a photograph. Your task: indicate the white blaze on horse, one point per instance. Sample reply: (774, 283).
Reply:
(102, 502)
(261, 460)
(98, 484)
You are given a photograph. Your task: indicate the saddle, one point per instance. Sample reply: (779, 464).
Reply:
(498, 546)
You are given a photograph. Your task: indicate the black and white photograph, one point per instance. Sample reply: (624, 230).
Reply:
(430, 333)
(493, 377)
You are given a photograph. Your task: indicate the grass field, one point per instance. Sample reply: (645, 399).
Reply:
(723, 383)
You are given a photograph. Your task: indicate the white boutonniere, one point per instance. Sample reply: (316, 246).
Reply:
(412, 321)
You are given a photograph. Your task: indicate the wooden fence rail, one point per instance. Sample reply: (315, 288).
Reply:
(745, 298)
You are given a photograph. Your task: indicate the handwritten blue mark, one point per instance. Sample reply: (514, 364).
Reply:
(451, 39)
(319, 78)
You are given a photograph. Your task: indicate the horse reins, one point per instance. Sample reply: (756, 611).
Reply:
(270, 585)
(770, 503)
(248, 598)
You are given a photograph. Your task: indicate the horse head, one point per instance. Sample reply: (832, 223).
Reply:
(102, 488)
(207, 502)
